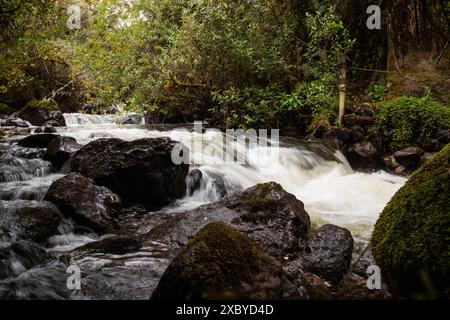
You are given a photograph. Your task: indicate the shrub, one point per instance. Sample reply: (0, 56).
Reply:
(407, 120)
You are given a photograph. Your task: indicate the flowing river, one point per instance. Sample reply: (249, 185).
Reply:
(321, 178)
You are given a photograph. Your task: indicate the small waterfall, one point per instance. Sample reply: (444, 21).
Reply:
(79, 119)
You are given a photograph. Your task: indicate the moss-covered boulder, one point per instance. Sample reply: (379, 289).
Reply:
(38, 112)
(411, 239)
(266, 213)
(221, 263)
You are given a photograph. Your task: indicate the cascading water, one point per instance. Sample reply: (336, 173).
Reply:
(322, 178)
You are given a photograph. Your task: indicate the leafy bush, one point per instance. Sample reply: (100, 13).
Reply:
(408, 120)
(377, 91)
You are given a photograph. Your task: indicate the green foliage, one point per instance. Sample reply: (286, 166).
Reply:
(377, 91)
(326, 54)
(412, 235)
(411, 119)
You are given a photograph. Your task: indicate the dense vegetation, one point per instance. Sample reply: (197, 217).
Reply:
(241, 64)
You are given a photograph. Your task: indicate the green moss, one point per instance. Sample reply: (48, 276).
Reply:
(411, 119)
(261, 203)
(411, 239)
(46, 104)
(215, 263)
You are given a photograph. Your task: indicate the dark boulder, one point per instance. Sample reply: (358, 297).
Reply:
(60, 149)
(46, 281)
(28, 220)
(341, 133)
(357, 133)
(364, 261)
(37, 140)
(363, 156)
(329, 253)
(39, 112)
(215, 185)
(89, 205)
(430, 145)
(114, 245)
(409, 157)
(38, 222)
(221, 263)
(48, 129)
(443, 136)
(266, 213)
(351, 120)
(309, 285)
(140, 171)
(13, 121)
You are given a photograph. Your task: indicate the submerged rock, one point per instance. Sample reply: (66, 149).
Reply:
(28, 220)
(266, 213)
(221, 263)
(215, 185)
(60, 149)
(38, 222)
(363, 156)
(89, 205)
(140, 171)
(37, 140)
(410, 241)
(329, 253)
(19, 257)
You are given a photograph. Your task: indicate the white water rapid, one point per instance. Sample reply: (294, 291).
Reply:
(331, 191)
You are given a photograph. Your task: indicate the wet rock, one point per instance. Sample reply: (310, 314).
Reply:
(427, 156)
(140, 171)
(37, 140)
(363, 156)
(115, 245)
(27, 220)
(194, 181)
(19, 257)
(364, 261)
(430, 145)
(221, 263)
(215, 185)
(390, 162)
(38, 222)
(357, 134)
(45, 282)
(60, 149)
(13, 121)
(89, 205)
(351, 120)
(49, 130)
(377, 140)
(409, 157)
(443, 136)
(266, 213)
(341, 133)
(329, 253)
(39, 112)
(309, 285)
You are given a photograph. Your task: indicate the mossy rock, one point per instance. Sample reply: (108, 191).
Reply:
(411, 239)
(42, 104)
(38, 112)
(221, 263)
